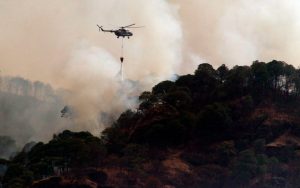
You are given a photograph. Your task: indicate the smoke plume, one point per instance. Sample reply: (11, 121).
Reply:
(240, 31)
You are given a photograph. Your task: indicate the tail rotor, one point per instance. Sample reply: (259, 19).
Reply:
(100, 27)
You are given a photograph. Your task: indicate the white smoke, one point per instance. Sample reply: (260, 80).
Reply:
(240, 31)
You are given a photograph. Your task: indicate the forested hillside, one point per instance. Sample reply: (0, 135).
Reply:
(23, 87)
(28, 111)
(237, 127)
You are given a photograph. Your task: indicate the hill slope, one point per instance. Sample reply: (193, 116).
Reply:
(215, 128)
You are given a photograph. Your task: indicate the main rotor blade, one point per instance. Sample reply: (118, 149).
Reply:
(136, 27)
(128, 26)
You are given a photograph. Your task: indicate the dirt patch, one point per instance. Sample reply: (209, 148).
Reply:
(287, 139)
(273, 114)
(174, 165)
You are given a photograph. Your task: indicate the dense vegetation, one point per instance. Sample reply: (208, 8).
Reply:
(26, 109)
(234, 127)
(23, 87)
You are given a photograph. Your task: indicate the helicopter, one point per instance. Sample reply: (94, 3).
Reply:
(121, 32)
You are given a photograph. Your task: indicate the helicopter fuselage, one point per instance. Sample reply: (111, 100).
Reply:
(123, 33)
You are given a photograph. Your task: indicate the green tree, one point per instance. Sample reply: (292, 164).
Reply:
(114, 138)
(214, 122)
(206, 69)
(163, 87)
(260, 77)
(222, 72)
(289, 72)
(275, 69)
(179, 99)
(161, 134)
(186, 81)
(206, 77)
(237, 83)
(17, 176)
(204, 84)
(296, 80)
(145, 96)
